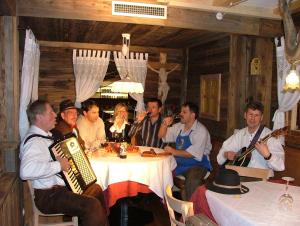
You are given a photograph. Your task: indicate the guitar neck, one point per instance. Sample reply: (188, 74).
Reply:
(252, 147)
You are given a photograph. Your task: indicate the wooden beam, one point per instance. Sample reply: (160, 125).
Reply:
(78, 45)
(226, 3)
(240, 9)
(177, 17)
(8, 7)
(294, 7)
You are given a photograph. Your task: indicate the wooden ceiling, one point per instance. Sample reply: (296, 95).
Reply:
(83, 31)
(189, 22)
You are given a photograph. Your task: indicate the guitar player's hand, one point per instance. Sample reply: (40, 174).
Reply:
(230, 155)
(262, 148)
(64, 163)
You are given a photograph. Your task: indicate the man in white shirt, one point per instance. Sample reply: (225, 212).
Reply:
(266, 155)
(91, 126)
(37, 165)
(193, 146)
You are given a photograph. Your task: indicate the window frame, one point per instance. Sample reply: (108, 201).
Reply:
(203, 96)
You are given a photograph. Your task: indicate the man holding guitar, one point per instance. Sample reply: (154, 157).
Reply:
(262, 149)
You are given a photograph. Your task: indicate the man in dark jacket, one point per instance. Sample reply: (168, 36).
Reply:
(66, 123)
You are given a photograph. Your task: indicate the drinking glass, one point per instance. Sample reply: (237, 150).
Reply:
(286, 200)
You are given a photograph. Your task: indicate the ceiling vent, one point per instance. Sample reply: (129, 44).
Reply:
(137, 9)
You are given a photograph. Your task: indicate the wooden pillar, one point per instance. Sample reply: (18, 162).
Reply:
(243, 85)
(9, 79)
(237, 88)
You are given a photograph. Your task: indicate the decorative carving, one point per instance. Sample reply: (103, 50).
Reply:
(163, 86)
(292, 39)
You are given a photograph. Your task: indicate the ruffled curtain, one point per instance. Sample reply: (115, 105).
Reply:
(136, 68)
(29, 79)
(90, 67)
(286, 100)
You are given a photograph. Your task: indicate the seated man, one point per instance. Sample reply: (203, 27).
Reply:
(193, 146)
(51, 194)
(267, 155)
(144, 131)
(91, 126)
(66, 123)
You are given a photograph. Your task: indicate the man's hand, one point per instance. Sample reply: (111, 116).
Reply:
(64, 163)
(169, 149)
(230, 155)
(262, 148)
(168, 121)
(140, 116)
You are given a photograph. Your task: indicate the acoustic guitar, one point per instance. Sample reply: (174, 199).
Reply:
(243, 156)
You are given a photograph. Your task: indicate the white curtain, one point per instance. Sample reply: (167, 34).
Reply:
(29, 79)
(136, 68)
(286, 100)
(90, 67)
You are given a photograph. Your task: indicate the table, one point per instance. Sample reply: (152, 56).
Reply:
(138, 173)
(257, 207)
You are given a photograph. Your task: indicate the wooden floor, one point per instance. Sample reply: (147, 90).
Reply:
(144, 210)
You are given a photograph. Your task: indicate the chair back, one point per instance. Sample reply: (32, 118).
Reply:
(37, 213)
(250, 172)
(178, 206)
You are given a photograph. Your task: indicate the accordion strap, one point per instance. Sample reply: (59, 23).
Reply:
(37, 135)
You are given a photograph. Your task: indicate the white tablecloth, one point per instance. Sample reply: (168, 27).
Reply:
(260, 206)
(155, 172)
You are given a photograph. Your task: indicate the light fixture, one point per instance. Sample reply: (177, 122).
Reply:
(125, 44)
(126, 85)
(292, 79)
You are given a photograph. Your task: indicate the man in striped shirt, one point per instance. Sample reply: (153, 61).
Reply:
(145, 129)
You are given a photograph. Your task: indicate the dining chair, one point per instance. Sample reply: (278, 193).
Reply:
(175, 205)
(250, 172)
(37, 214)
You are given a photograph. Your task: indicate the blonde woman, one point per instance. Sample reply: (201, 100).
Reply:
(118, 130)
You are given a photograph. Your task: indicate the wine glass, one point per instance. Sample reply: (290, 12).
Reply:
(286, 200)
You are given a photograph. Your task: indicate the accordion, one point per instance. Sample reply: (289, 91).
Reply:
(80, 175)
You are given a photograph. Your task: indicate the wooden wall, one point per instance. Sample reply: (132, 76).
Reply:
(9, 79)
(210, 58)
(57, 81)
(231, 56)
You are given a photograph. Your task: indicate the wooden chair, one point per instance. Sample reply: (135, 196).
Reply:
(179, 206)
(37, 214)
(250, 172)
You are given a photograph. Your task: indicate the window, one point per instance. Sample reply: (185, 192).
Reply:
(210, 95)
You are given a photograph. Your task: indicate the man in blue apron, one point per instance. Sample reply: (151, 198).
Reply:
(192, 146)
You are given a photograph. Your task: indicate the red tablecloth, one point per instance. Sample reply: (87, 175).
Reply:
(200, 203)
(123, 189)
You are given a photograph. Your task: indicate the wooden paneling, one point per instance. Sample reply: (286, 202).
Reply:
(242, 85)
(57, 81)
(9, 77)
(210, 58)
(9, 200)
(8, 7)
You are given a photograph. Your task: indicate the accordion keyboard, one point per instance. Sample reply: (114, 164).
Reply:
(80, 175)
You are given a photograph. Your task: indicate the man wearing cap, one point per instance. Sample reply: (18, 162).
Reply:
(66, 123)
(192, 146)
(50, 191)
(266, 155)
